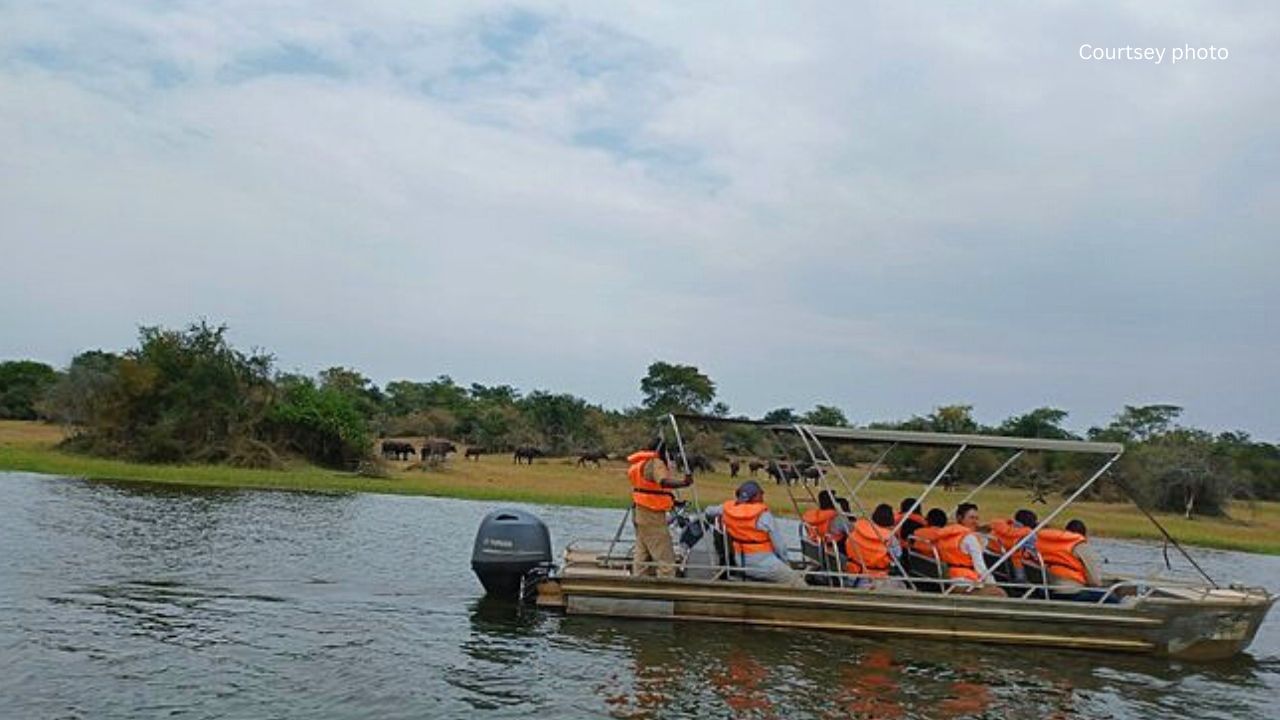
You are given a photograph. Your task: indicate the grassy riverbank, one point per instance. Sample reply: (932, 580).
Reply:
(31, 447)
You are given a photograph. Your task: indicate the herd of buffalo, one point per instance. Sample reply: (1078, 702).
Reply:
(439, 450)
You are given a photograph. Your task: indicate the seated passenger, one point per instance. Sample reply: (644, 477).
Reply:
(911, 509)
(923, 539)
(1072, 564)
(754, 536)
(1005, 534)
(825, 523)
(871, 548)
(961, 549)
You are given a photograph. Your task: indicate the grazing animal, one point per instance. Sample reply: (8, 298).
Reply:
(526, 453)
(473, 453)
(397, 450)
(592, 456)
(782, 472)
(948, 481)
(811, 472)
(437, 449)
(734, 467)
(698, 463)
(754, 467)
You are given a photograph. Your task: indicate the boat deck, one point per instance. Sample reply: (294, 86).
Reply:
(1189, 623)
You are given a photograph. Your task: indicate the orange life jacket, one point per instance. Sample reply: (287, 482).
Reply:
(1004, 535)
(915, 517)
(1056, 548)
(816, 523)
(924, 538)
(897, 518)
(646, 493)
(740, 524)
(868, 554)
(959, 564)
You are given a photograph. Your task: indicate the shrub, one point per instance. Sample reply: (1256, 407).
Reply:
(321, 423)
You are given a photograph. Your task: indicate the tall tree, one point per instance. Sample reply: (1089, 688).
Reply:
(23, 384)
(1138, 423)
(953, 419)
(782, 415)
(1044, 422)
(363, 392)
(81, 389)
(828, 415)
(676, 388)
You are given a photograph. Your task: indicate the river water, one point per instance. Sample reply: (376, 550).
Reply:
(138, 601)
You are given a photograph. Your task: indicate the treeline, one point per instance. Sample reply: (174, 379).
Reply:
(189, 396)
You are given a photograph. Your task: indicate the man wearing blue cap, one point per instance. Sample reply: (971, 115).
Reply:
(753, 533)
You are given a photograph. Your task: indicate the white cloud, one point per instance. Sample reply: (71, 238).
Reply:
(887, 207)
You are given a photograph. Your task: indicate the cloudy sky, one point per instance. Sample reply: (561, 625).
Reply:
(885, 207)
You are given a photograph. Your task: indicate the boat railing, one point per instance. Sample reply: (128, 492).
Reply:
(1143, 587)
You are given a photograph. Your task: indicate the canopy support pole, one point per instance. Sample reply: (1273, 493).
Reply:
(800, 430)
(871, 471)
(945, 468)
(1167, 536)
(994, 475)
(1045, 522)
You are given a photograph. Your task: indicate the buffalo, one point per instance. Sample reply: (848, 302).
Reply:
(592, 456)
(698, 463)
(782, 472)
(473, 453)
(397, 450)
(734, 467)
(754, 467)
(526, 453)
(437, 449)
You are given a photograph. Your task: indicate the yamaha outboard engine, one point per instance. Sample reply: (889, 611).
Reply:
(509, 544)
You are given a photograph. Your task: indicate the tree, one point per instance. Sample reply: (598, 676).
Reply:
(366, 396)
(81, 388)
(181, 396)
(23, 384)
(1185, 471)
(322, 423)
(670, 388)
(1044, 422)
(781, 416)
(498, 394)
(1138, 423)
(953, 419)
(828, 415)
(559, 418)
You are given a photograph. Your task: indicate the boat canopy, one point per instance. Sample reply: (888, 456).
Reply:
(912, 437)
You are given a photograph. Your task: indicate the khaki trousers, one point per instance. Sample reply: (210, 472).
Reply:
(653, 544)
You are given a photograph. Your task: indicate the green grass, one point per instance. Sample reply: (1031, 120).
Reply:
(31, 447)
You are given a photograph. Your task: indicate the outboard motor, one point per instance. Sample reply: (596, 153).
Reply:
(508, 545)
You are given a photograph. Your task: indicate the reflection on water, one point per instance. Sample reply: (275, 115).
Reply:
(125, 601)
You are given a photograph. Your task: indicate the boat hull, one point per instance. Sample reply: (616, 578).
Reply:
(1209, 629)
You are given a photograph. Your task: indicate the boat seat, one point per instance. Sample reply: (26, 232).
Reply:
(924, 566)
(1035, 573)
(723, 553)
(1004, 573)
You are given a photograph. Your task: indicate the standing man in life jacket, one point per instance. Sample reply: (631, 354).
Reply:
(756, 542)
(1073, 565)
(651, 496)
(960, 547)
